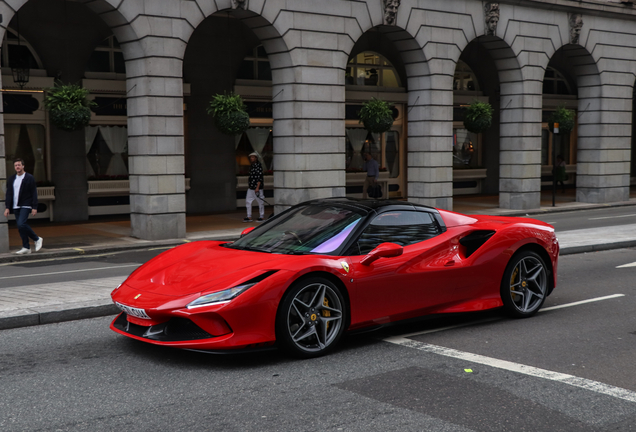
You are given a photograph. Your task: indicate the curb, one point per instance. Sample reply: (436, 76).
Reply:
(572, 250)
(56, 314)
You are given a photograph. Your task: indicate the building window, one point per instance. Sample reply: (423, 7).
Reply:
(465, 149)
(465, 79)
(107, 57)
(255, 66)
(371, 69)
(555, 83)
(384, 148)
(12, 51)
(106, 152)
(26, 142)
(259, 140)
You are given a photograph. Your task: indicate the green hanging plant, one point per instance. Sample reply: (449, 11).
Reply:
(68, 106)
(376, 116)
(565, 118)
(478, 117)
(229, 113)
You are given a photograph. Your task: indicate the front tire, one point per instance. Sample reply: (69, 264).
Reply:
(525, 285)
(311, 318)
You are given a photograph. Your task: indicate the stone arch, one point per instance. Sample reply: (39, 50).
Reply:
(519, 144)
(227, 33)
(106, 10)
(602, 170)
(69, 188)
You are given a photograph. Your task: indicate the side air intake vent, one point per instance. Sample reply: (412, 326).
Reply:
(475, 240)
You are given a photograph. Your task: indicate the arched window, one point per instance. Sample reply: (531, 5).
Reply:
(371, 69)
(107, 57)
(12, 51)
(255, 66)
(465, 78)
(555, 83)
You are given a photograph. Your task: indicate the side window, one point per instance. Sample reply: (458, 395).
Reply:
(401, 227)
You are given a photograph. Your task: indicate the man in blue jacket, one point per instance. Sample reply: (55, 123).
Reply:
(21, 199)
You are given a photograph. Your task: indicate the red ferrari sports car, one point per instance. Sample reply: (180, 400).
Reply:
(324, 267)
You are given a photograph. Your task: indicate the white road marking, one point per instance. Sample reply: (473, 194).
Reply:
(627, 265)
(582, 302)
(595, 386)
(69, 271)
(612, 217)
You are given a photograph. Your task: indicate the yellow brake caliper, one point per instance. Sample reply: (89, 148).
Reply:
(326, 313)
(512, 281)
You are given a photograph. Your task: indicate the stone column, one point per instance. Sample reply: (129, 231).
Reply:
(604, 141)
(308, 97)
(309, 142)
(520, 146)
(156, 148)
(4, 229)
(519, 126)
(430, 131)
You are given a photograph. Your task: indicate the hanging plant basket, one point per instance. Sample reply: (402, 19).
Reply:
(68, 106)
(229, 113)
(376, 116)
(478, 117)
(565, 118)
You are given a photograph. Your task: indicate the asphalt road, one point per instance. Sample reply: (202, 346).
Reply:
(78, 376)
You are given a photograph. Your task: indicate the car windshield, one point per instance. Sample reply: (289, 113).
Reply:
(319, 229)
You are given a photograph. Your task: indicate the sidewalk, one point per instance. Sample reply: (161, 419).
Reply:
(49, 303)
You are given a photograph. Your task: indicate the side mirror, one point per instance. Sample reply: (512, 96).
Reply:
(384, 250)
(247, 231)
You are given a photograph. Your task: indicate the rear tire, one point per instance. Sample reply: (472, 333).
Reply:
(311, 318)
(524, 286)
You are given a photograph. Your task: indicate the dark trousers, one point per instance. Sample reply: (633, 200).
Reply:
(26, 233)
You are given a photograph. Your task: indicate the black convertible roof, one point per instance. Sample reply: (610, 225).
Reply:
(371, 204)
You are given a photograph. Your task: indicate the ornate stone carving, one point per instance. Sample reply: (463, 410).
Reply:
(491, 15)
(576, 23)
(390, 11)
(239, 4)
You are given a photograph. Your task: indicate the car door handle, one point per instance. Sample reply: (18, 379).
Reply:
(450, 263)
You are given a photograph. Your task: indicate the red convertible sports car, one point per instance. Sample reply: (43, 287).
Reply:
(324, 267)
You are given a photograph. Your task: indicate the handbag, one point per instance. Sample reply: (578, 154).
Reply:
(375, 191)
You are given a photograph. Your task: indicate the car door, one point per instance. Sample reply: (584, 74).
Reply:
(423, 277)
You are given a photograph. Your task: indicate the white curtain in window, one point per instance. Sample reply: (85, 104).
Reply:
(237, 140)
(357, 137)
(258, 138)
(11, 135)
(90, 133)
(116, 139)
(36, 137)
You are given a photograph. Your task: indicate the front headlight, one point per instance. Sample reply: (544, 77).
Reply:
(219, 297)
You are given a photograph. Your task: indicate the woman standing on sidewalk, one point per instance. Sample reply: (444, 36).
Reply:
(22, 198)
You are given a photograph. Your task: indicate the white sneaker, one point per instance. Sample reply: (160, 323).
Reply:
(23, 251)
(38, 244)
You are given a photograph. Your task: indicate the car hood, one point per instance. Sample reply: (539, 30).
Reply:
(201, 266)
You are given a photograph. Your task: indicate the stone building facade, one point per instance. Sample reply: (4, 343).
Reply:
(167, 57)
